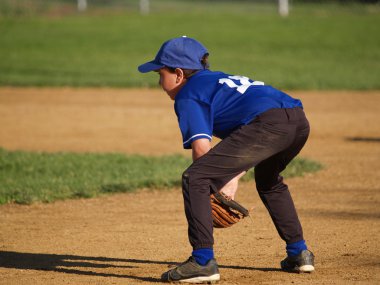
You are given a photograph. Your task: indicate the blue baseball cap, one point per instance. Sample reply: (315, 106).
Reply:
(182, 52)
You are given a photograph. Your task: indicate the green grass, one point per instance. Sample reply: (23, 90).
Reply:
(27, 177)
(317, 47)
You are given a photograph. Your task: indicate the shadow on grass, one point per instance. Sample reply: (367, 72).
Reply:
(71, 263)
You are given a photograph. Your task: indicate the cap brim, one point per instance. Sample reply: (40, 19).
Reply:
(150, 66)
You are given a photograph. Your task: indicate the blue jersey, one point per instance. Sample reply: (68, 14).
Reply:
(215, 104)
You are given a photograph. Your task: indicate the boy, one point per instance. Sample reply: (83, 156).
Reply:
(259, 126)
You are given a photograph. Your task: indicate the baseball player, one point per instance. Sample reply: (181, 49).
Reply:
(259, 126)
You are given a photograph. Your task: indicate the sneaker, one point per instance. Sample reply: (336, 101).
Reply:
(304, 262)
(191, 272)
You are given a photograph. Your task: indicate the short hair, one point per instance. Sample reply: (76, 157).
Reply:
(189, 72)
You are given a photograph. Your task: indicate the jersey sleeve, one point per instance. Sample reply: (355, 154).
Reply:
(194, 119)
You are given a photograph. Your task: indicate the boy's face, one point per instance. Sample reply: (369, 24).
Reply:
(171, 82)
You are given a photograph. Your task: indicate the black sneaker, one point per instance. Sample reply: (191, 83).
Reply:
(191, 272)
(304, 262)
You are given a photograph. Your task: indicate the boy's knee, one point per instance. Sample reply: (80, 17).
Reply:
(185, 180)
(192, 179)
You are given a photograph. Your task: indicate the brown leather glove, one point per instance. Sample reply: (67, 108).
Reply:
(225, 211)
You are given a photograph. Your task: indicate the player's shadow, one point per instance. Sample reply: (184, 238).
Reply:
(73, 264)
(67, 264)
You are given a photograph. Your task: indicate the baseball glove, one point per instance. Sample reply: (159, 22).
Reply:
(225, 211)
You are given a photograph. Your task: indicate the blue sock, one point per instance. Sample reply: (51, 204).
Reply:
(203, 255)
(295, 248)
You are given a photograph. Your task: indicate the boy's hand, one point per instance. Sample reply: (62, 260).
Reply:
(231, 187)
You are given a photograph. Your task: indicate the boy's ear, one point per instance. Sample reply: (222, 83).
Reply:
(180, 74)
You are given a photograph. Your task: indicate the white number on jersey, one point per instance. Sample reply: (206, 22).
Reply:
(244, 83)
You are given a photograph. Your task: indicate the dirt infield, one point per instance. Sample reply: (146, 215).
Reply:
(133, 238)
